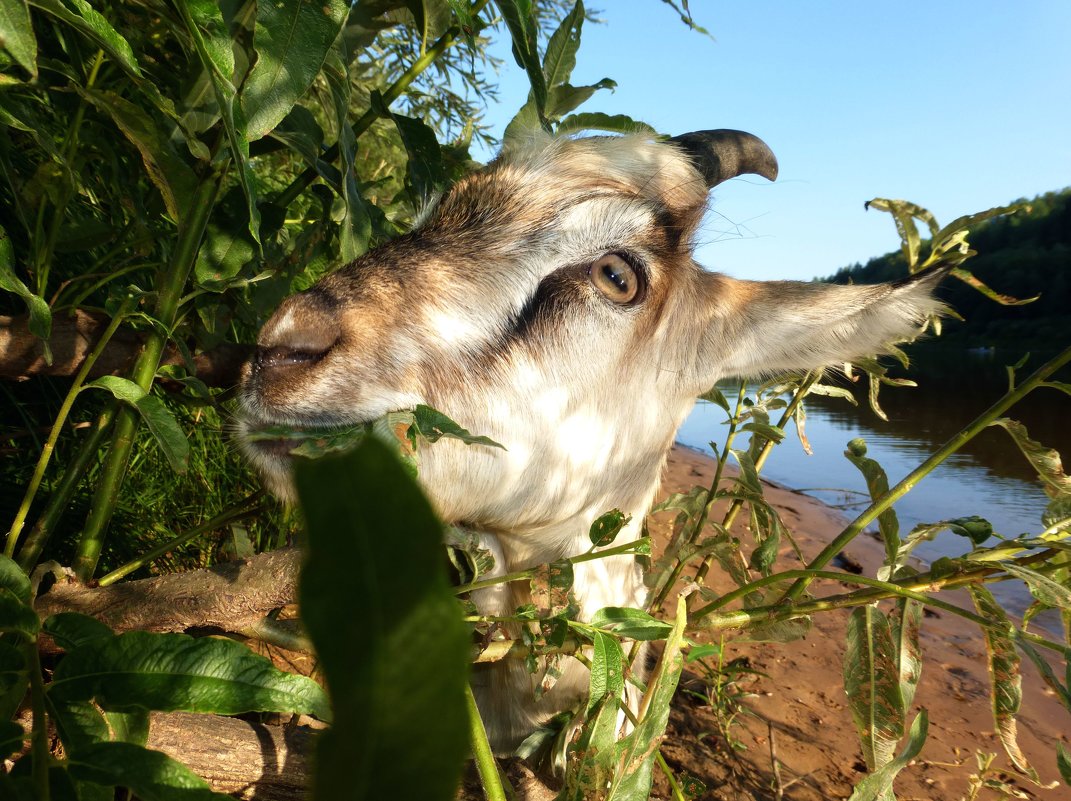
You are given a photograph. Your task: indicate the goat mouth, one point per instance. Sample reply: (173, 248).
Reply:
(285, 441)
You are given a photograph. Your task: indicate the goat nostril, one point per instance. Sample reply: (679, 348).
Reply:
(282, 357)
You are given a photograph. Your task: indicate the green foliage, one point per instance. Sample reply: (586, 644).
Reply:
(391, 643)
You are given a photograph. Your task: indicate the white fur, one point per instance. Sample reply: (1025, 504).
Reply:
(588, 409)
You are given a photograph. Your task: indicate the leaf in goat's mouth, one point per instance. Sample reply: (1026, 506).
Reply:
(403, 429)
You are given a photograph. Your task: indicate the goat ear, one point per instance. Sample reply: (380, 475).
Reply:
(765, 327)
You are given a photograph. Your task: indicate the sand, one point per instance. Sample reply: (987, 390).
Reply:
(797, 711)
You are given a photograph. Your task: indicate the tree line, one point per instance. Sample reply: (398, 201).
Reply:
(1023, 255)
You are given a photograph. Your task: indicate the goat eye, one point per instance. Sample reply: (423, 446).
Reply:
(615, 278)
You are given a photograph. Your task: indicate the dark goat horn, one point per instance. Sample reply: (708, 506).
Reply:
(723, 154)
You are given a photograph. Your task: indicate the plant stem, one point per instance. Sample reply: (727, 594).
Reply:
(44, 256)
(678, 793)
(57, 428)
(957, 441)
(481, 752)
(169, 286)
(237, 511)
(530, 573)
(760, 462)
(57, 502)
(39, 733)
(393, 92)
(701, 519)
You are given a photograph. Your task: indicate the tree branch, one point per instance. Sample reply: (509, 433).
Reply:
(22, 355)
(231, 596)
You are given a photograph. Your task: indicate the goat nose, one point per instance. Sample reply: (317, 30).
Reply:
(300, 333)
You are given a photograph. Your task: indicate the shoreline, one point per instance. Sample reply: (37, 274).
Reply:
(797, 710)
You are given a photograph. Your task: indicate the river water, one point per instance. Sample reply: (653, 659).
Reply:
(989, 477)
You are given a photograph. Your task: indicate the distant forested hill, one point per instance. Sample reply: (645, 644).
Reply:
(1022, 256)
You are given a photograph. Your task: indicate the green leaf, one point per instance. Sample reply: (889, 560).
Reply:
(95, 27)
(387, 632)
(17, 616)
(877, 484)
(11, 738)
(606, 527)
(72, 629)
(159, 419)
(16, 34)
(632, 624)
(967, 277)
(150, 775)
(40, 323)
(223, 253)
(517, 15)
(14, 579)
(566, 97)
(432, 18)
(636, 753)
(715, 395)
(425, 169)
(906, 623)
(432, 425)
(1063, 763)
(597, 121)
(206, 26)
(169, 672)
(300, 132)
(1006, 693)
(171, 175)
(878, 785)
(607, 672)
(560, 58)
(1042, 587)
(771, 432)
(14, 680)
(129, 727)
(1046, 461)
(356, 224)
(291, 40)
(872, 683)
(78, 723)
(905, 214)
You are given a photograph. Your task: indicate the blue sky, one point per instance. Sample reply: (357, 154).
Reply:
(956, 106)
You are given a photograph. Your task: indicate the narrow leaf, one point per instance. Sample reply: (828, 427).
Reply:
(1006, 680)
(40, 322)
(1046, 461)
(95, 27)
(632, 624)
(16, 34)
(72, 629)
(167, 171)
(877, 484)
(158, 418)
(432, 425)
(517, 15)
(597, 121)
(872, 683)
(878, 785)
(607, 675)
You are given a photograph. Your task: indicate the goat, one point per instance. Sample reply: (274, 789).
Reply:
(551, 302)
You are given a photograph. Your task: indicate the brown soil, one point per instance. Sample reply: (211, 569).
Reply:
(795, 739)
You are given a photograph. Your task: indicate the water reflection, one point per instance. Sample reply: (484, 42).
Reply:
(989, 477)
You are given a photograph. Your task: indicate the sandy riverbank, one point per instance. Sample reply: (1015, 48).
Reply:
(801, 701)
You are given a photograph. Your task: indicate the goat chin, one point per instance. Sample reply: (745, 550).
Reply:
(551, 302)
